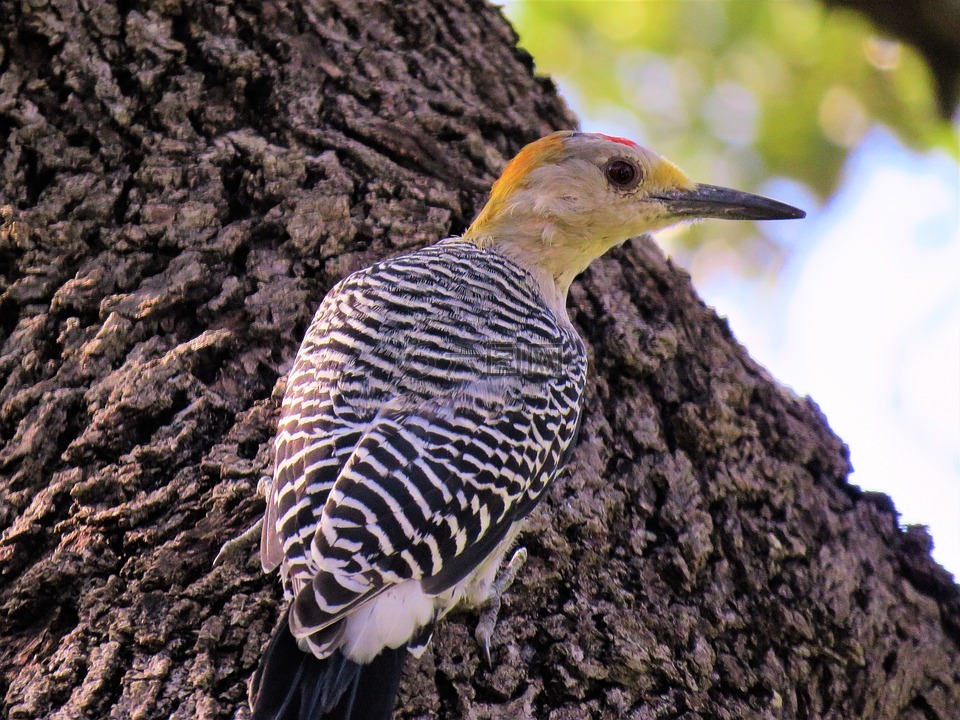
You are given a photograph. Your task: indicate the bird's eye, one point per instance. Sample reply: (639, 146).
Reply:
(622, 174)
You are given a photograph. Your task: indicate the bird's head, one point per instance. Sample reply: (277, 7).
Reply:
(569, 197)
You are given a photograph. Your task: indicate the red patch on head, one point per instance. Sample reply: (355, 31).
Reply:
(622, 141)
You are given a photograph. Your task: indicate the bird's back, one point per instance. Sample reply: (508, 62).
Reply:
(449, 324)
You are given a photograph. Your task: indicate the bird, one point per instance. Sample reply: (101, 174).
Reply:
(434, 399)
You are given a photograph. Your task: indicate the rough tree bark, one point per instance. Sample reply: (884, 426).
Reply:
(183, 181)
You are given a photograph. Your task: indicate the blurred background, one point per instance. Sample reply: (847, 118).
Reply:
(858, 306)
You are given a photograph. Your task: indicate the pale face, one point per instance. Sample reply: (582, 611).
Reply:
(597, 193)
(567, 198)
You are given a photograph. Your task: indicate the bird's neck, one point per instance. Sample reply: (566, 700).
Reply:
(553, 267)
(553, 287)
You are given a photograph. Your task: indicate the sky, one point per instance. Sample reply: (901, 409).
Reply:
(865, 318)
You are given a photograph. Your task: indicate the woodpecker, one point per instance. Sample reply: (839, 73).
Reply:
(433, 401)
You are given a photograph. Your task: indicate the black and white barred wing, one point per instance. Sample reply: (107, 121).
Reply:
(430, 489)
(313, 442)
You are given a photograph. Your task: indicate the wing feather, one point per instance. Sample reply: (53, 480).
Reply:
(475, 465)
(415, 432)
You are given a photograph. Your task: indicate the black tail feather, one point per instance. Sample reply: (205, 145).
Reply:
(375, 692)
(291, 684)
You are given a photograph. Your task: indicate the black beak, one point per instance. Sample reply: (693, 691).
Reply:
(710, 201)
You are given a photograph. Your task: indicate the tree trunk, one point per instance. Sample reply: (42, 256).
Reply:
(183, 181)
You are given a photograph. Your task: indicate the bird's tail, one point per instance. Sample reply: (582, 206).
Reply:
(291, 684)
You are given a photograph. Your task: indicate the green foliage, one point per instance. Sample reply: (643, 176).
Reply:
(735, 90)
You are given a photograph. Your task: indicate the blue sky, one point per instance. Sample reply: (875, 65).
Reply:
(865, 318)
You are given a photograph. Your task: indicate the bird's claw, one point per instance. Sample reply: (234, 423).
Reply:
(488, 619)
(234, 546)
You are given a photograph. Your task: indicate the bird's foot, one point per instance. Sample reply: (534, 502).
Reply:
(233, 547)
(488, 619)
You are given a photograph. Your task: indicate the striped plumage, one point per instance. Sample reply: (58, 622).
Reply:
(430, 405)
(434, 399)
